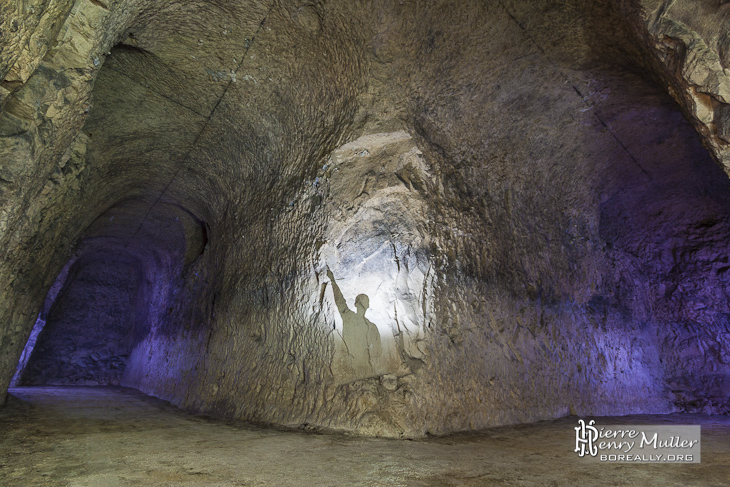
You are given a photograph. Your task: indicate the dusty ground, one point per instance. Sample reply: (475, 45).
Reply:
(84, 436)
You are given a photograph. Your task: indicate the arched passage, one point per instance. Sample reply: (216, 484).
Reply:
(122, 279)
(91, 327)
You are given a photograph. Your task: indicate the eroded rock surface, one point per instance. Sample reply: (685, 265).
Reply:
(388, 218)
(690, 44)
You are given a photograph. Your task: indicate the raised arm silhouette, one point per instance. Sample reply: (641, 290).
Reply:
(360, 335)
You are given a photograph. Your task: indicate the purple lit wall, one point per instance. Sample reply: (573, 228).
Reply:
(91, 327)
(118, 285)
(664, 216)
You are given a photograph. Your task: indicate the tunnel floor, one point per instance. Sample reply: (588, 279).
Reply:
(107, 436)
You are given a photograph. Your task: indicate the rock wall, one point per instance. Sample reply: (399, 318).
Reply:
(388, 218)
(51, 54)
(689, 47)
(89, 332)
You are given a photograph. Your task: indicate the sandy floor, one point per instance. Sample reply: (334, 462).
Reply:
(81, 436)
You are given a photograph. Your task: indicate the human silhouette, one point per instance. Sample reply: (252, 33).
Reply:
(360, 335)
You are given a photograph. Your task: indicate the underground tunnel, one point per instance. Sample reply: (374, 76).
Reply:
(372, 219)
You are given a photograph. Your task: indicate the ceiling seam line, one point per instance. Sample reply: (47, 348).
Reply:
(575, 88)
(139, 83)
(200, 133)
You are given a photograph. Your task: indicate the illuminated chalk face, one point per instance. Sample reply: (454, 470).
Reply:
(382, 317)
(379, 281)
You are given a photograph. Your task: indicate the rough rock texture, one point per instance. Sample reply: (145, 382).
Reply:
(689, 44)
(82, 342)
(389, 218)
